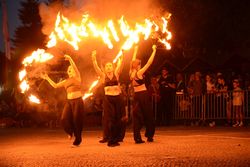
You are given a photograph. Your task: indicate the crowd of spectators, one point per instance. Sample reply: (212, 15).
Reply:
(165, 87)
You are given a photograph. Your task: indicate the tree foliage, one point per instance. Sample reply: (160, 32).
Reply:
(28, 35)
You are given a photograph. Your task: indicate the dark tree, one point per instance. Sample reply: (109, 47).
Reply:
(28, 36)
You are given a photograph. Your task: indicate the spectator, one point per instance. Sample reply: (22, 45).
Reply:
(180, 85)
(154, 89)
(223, 100)
(197, 87)
(210, 84)
(210, 99)
(197, 84)
(190, 84)
(167, 91)
(238, 99)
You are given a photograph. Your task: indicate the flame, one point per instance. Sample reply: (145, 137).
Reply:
(73, 33)
(93, 85)
(86, 95)
(105, 37)
(34, 99)
(52, 42)
(113, 31)
(167, 45)
(124, 27)
(117, 57)
(22, 74)
(37, 56)
(90, 93)
(93, 29)
(24, 86)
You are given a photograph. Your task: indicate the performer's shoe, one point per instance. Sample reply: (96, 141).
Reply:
(139, 141)
(77, 142)
(150, 139)
(103, 141)
(111, 144)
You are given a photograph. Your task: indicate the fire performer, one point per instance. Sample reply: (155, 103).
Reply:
(72, 115)
(113, 105)
(142, 108)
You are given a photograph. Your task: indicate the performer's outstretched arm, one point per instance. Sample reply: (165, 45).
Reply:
(52, 83)
(72, 63)
(150, 61)
(96, 67)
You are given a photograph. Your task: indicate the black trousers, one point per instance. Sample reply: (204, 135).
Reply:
(113, 111)
(72, 119)
(143, 114)
(122, 129)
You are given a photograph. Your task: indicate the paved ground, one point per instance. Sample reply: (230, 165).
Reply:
(173, 146)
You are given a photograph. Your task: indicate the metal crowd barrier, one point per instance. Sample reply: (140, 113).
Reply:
(209, 106)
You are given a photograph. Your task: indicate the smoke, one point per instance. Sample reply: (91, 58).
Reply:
(133, 9)
(100, 10)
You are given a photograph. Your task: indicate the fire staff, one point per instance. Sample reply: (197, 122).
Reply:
(113, 104)
(72, 115)
(142, 108)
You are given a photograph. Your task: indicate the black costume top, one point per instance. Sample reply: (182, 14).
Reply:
(110, 82)
(138, 81)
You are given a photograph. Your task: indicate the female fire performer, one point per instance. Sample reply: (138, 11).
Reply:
(142, 109)
(113, 102)
(72, 115)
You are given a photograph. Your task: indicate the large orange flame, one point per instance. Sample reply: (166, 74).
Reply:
(73, 33)
(37, 56)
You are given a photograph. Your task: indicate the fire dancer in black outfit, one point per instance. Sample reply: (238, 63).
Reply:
(72, 115)
(142, 110)
(113, 105)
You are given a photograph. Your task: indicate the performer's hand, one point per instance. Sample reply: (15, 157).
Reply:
(67, 57)
(154, 47)
(94, 54)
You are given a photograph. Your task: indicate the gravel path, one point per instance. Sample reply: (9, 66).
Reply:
(173, 146)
